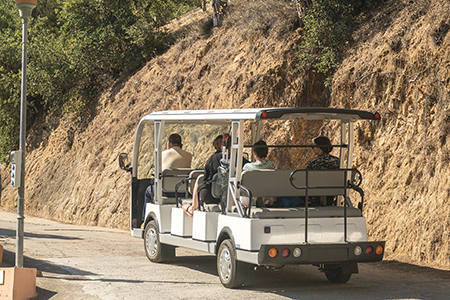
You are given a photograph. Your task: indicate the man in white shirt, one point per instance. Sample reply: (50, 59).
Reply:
(175, 157)
(172, 158)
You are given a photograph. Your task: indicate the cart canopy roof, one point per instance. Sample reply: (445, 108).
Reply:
(283, 113)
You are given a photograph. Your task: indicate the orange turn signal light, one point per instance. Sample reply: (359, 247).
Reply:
(379, 249)
(285, 252)
(273, 252)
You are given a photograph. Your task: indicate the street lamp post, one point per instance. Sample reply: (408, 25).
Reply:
(25, 8)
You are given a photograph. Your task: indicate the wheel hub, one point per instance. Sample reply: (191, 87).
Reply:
(151, 242)
(225, 264)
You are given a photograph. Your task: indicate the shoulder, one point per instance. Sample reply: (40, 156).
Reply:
(215, 157)
(334, 157)
(268, 164)
(272, 164)
(246, 166)
(249, 166)
(312, 163)
(182, 151)
(318, 162)
(168, 151)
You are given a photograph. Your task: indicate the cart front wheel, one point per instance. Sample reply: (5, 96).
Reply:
(155, 251)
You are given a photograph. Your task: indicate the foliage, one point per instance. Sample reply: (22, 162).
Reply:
(328, 26)
(73, 46)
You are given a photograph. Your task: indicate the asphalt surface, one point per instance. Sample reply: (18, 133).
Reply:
(82, 262)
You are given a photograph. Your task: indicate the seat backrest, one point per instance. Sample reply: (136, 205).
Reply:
(321, 182)
(299, 212)
(194, 174)
(170, 177)
(215, 186)
(275, 183)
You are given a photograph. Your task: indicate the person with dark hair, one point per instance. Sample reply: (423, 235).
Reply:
(175, 157)
(260, 152)
(211, 166)
(324, 159)
(172, 158)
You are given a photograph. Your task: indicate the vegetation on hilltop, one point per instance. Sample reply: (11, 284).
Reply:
(328, 32)
(74, 46)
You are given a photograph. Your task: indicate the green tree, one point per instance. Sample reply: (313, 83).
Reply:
(10, 65)
(328, 27)
(72, 46)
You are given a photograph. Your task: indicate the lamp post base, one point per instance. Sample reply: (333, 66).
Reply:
(17, 283)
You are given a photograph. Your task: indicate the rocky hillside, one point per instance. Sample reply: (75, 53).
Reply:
(398, 65)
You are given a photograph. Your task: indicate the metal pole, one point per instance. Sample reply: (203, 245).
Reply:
(25, 13)
(23, 116)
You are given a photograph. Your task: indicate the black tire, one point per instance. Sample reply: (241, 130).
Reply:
(232, 273)
(155, 251)
(336, 276)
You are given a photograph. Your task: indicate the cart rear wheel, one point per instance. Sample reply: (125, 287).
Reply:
(336, 276)
(232, 273)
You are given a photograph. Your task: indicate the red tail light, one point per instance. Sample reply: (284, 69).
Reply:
(285, 252)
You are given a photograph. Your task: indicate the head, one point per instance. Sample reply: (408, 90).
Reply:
(323, 144)
(227, 142)
(175, 140)
(261, 149)
(218, 142)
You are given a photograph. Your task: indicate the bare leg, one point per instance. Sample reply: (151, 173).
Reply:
(195, 193)
(190, 208)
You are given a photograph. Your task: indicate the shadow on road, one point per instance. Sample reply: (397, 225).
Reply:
(41, 265)
(43, 294)
(202, 263)
(306, 280)
(12, 234)
(405, 267)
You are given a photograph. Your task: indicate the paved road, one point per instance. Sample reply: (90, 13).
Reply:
(80, 262)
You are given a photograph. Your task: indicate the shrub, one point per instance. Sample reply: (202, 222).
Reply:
(328, 27)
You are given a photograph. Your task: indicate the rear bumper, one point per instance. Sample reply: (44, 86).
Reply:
(321, 253)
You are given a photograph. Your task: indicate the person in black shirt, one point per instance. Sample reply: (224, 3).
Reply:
(211, 166)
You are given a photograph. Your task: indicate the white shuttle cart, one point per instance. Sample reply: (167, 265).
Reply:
(332, 237)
